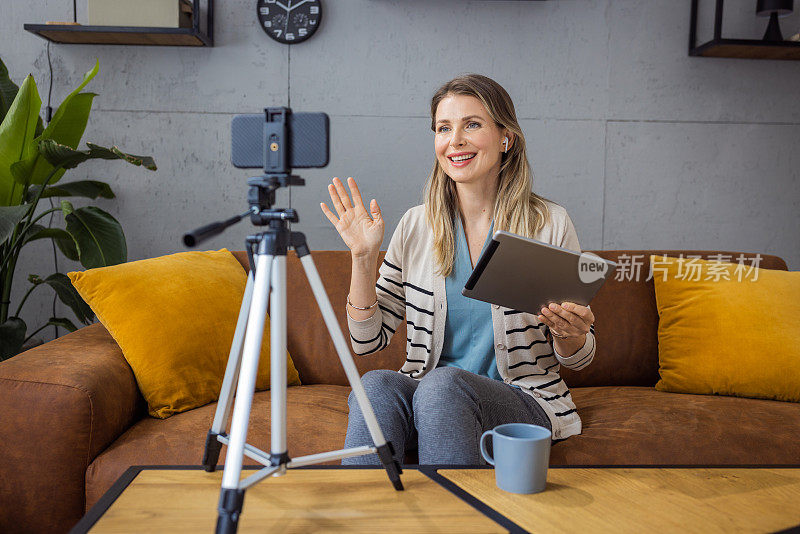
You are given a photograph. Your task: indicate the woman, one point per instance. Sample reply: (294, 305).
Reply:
(470, 366)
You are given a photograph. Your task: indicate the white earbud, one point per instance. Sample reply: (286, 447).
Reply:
(505, 142)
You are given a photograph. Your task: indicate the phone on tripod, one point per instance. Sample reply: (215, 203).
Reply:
(308, 140)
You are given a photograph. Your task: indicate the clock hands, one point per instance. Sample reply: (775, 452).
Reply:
(283, 6)
(298, 4)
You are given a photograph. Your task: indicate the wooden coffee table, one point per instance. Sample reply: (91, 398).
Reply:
(459, 499)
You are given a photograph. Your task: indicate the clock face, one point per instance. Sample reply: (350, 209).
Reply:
(289, 21)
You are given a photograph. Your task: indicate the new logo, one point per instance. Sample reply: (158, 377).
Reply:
(591, 267)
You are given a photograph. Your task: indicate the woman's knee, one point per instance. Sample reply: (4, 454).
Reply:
(380, 379)
(439, 384)
(443, 376)
(377, 382)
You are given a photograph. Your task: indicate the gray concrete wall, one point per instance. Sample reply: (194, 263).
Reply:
(645, 146)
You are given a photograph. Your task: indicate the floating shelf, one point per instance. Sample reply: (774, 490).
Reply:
(748, 48)
(120, 35)
(737, 48)
(132, 35)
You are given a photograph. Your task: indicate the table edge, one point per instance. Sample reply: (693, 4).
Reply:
(430, 470)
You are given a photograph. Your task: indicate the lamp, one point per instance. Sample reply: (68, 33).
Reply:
(772, 9)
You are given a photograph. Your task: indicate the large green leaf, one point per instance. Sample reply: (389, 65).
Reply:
(8, 90)
(58, 154)
(84, 188)
(16, 135)
(72, 116)
(69, 295)
(98, 151)
(10, 216)
(70, 119)
(12, 336)
(100, 239)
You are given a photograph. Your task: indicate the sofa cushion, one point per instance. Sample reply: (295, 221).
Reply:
(711, 338)
(174, 319)
(642, 426)
(316, 422)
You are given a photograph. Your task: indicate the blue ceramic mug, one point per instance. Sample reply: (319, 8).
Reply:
(521, 456)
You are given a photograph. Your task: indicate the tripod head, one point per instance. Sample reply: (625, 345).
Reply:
(261, 198)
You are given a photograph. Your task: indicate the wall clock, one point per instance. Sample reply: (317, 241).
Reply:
(289, 21)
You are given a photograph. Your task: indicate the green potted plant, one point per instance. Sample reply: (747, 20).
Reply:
(33, 159)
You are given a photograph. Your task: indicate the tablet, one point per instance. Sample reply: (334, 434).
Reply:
(526, 275)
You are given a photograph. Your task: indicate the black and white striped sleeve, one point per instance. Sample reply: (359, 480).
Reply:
(580, 359)
(374, 333)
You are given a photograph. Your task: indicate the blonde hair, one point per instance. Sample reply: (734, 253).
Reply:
(517, 208)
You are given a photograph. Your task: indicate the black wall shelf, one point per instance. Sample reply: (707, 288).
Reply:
(131, 35)
(747, 48)
(737, 48)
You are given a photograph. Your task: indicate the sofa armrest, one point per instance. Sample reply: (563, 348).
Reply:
(61, 404)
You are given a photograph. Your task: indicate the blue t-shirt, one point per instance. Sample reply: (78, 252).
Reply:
(468, 333)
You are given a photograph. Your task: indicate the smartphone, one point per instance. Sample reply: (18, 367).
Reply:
(309, 137)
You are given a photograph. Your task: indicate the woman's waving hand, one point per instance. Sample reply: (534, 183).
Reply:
(362, 233)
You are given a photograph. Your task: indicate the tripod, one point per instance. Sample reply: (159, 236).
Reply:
(267, 278)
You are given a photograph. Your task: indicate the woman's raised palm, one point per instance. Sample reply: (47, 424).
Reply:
(361, 233)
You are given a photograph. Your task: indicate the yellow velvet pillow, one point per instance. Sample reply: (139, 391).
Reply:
(727, 328)
(174, 318)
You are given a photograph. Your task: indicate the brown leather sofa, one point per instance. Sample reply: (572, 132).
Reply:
(72, 419)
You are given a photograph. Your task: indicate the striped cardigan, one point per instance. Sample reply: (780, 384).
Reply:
(409, 288)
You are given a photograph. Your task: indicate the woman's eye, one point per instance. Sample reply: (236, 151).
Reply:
(442, 128)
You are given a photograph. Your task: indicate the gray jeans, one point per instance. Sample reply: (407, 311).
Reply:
(442, 415)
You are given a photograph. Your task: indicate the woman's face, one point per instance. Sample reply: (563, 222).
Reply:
(463, 128)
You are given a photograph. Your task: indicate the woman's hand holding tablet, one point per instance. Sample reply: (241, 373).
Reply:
(568, 319)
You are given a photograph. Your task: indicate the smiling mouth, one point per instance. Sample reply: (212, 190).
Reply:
(459, 159)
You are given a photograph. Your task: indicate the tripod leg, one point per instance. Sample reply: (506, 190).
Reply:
(231, 497)
(223, 412)
(385, 449)
(277, 377)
